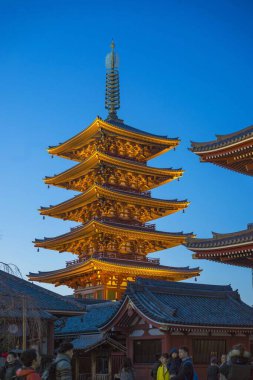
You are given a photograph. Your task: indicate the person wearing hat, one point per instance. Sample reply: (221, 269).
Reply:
(174, 362)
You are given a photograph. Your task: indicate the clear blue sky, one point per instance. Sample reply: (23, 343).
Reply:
(185, 70)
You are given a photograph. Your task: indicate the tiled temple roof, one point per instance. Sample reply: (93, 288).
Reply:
(119, 262)
(223, 240)
(178, 304)
(122, 125)
(222, 140)
(45, 300)
(88, 342)
(146, 264)
(87, 323)
(124, 226)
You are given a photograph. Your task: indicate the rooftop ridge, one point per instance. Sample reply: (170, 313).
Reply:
(182, 285)
(99, 187)
(222, 140)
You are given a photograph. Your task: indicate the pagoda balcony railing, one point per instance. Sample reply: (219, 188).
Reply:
(127, 158)
(130, 191)
(112, 255)
(143, 226)
(130, 224)
(150, 226)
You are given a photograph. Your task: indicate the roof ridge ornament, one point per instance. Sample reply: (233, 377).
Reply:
(112, 91)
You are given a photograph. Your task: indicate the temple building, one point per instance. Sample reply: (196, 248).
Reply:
(233, 151)
(231, 248)
(153, 317)
(115, 205)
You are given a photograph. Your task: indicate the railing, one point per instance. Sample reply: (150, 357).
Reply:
(73, 262)
(102, 376)
(114, 255)
(99, 376)
(153, 260)
(85, 376)
(150, 226)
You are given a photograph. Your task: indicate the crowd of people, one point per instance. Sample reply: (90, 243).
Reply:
(175, 365)
(28, 366)
(178, 365)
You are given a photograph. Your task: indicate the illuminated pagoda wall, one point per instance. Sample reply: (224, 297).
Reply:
(115, 205)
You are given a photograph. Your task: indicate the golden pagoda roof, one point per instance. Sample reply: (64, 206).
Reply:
(129, 268)
(118, 128)
(97, 158)
(78, 234)
(96, 191)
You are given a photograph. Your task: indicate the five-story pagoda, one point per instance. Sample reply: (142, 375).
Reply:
(114, 207)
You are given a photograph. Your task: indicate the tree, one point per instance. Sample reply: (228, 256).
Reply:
(22, 321)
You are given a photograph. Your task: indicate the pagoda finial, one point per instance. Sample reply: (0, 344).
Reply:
(112, 95)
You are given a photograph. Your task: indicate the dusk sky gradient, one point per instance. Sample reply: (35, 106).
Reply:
(185, 71)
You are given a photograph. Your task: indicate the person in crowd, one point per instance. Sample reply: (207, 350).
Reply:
(223, 366)
(63, 361)
(186, 370)
(238, 364)
(46, 362)
(162, 370)
(12, 364)
(127, 371)
(213, 369)
(155, 366)
(31, 361)
(174, 362)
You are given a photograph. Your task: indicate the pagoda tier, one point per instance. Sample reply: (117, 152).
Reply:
(99, 236)
(116, 139)
(102, 202)
(233, 248)
(233, 151)
(107, 277)
(103, 169)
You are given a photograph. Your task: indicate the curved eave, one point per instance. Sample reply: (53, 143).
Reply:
(236, 257)
(93, 227)
(131, 269)
(77, 141)
(97, 157)
(218, 145)
(96, 192)
(210, 245)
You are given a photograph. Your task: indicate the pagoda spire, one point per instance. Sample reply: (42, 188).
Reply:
(112, 94)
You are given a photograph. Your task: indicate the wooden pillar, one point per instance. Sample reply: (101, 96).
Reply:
(50, 338)
(77, 359)
(105, 292)
(110, 364)
(93, 365)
